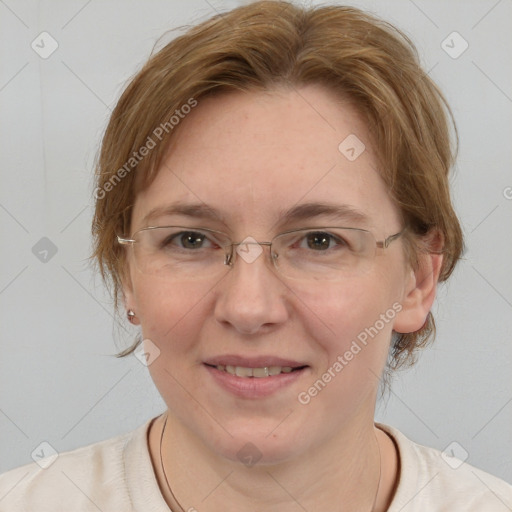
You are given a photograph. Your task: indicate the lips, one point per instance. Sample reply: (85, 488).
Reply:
(254, 367)
(254, 377)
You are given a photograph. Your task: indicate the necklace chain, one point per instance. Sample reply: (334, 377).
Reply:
(181, 508)
(163, 469)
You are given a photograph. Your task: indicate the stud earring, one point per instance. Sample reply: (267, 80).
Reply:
(131, 315)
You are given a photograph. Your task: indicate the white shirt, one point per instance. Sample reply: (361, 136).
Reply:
(117, 475)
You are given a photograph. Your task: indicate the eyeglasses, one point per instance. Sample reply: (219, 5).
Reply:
(308, 254)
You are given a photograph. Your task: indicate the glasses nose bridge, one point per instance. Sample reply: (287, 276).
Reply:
(230, 258)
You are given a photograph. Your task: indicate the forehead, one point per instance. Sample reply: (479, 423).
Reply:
(253, 155)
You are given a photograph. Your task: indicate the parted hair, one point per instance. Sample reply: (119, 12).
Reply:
(274, 44)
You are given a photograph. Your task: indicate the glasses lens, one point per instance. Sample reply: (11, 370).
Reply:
(180, 253)
(183, 253)
(324, 254)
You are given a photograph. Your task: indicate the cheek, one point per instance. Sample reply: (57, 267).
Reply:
(169, 314)
(358, 319)
(359, 316)
(172, 317)
(355, 304)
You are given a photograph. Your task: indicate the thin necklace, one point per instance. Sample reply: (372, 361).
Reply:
(181, 508)
(163, 469)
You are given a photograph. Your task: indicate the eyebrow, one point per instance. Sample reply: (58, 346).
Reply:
(306, 211)
(300, 212)
(194, 210)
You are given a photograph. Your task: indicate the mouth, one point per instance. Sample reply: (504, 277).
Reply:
(255, 377)
(258, 372)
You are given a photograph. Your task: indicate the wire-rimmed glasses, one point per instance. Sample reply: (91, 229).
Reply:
(307, 254)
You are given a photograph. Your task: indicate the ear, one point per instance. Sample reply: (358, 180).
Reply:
(420, 288)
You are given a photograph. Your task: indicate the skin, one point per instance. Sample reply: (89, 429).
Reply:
(248, 155)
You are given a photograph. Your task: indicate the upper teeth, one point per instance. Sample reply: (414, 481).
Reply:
(242, 371)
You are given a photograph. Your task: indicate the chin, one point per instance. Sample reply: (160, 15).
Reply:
(261, 444)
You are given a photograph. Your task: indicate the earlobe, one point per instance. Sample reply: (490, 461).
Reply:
(419, 293)
(129, 299)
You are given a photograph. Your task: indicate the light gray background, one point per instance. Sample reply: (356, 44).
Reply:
(59, 381)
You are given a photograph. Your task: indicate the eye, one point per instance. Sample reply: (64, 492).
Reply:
(186, 240)
(322, 241)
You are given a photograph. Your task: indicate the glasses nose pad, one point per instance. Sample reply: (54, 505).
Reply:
(228, 258)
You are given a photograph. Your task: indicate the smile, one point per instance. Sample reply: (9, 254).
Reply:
(246, 372)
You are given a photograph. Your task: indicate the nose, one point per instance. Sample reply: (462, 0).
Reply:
(251, 297)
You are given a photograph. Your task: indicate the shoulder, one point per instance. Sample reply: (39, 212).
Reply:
(436, 482)
(89, 478)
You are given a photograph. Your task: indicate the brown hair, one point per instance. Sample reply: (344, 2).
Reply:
(274, 43)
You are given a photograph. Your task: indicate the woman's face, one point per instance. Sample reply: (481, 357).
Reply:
(251, 157)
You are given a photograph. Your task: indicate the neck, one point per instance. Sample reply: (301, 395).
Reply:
(361, 476)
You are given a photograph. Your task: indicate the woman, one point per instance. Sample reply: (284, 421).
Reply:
(273, 211)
